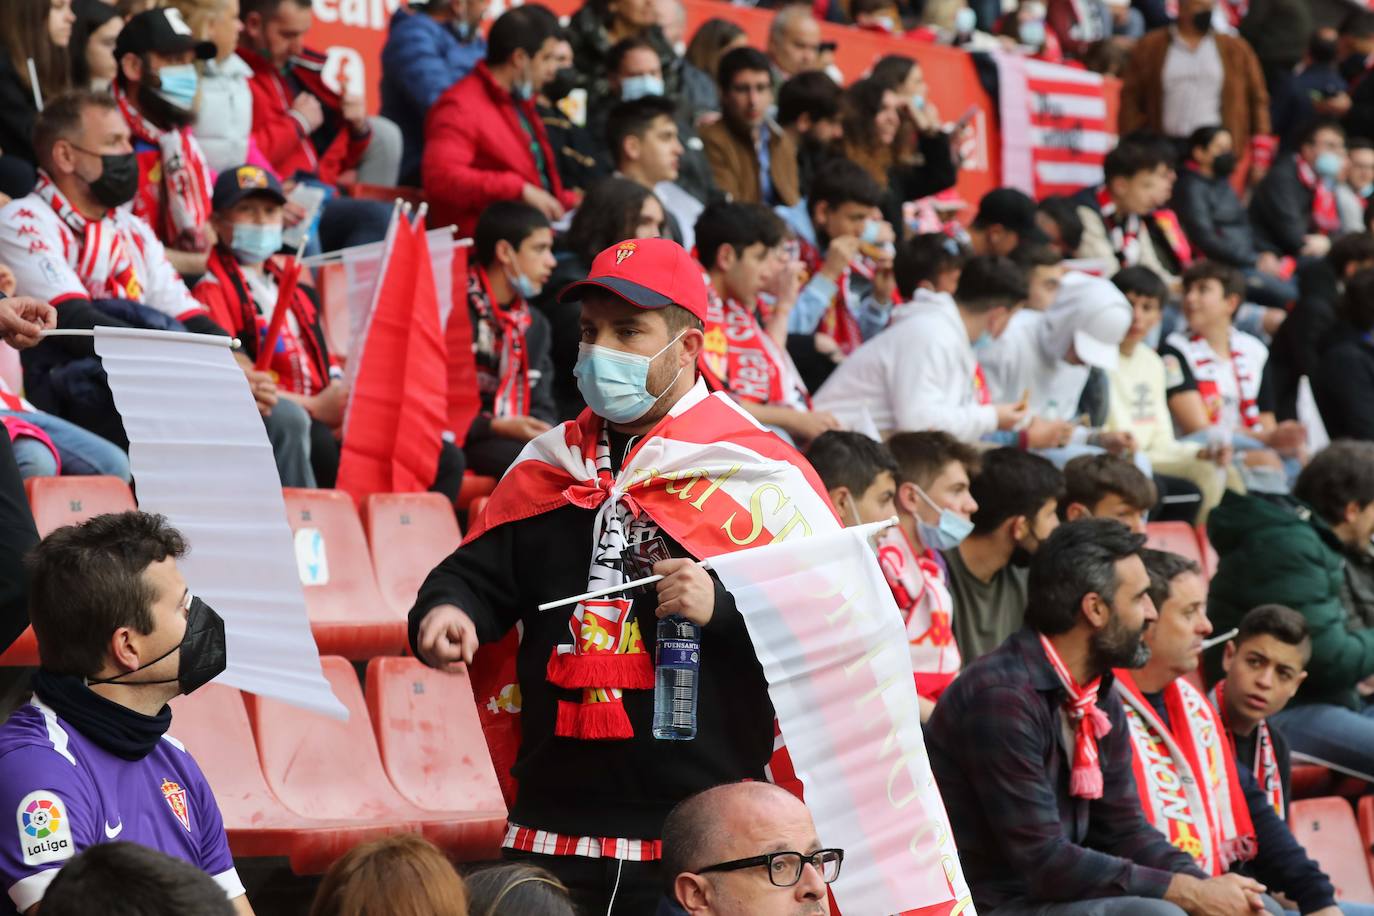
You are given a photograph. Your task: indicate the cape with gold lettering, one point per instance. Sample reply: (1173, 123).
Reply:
(1186, 775)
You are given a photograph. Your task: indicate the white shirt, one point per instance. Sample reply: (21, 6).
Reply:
(684, 207)
(225, 119)
(1191, 83)
(1017, 361)
(916, 375)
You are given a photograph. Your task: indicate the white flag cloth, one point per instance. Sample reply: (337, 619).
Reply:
(201, 458)
(363, 266)
(831, 642)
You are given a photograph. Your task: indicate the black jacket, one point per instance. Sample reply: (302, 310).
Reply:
(601, 788)
(1281, 209)
(1296, 348)
(1245, 756)
(906, 182)
(1344, 384)
(1214, 219)
(17, 111)
(17, 537)
(565, 331)
(542, 404)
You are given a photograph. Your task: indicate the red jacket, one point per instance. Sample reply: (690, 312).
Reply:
(282, 138)
(476, 152)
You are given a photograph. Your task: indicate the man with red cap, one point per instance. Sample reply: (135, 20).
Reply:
(656, 474)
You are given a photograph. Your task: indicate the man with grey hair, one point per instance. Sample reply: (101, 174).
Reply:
(745, 849)
(794, 42)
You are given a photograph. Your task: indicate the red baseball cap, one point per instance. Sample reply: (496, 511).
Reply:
(648, 273)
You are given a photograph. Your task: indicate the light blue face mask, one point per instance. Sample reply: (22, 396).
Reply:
(965, 21)
(254, 244)
(1032, 33)
(179, 85)
(948, 533)
(872, 228)
(637, 87)
(1329, 164)
(524, 287)
(615, 384)
(984, 341)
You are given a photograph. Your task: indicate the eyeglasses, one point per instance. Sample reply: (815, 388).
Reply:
(785, 868)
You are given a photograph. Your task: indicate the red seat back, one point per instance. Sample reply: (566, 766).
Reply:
(408, 534)
(1326, 828)
(58, 501)
(1176, 537)
(1365, 816)
(348, 614)
(1209, 553)
(430, 738)
(474, 486)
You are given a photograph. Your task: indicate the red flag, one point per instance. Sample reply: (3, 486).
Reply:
(395, 422)
(285, 293)
(463, 400)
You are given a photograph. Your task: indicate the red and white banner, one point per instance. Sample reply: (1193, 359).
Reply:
(1056, 126)
(830, 639)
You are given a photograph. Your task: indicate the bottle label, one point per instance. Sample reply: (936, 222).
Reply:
(679, 653)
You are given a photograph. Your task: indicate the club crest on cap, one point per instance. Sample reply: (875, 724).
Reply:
(250, 176)
(624, 251)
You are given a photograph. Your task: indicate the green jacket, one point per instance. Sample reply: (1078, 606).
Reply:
(1277, 551)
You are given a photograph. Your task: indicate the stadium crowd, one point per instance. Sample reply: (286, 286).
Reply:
(687, 236)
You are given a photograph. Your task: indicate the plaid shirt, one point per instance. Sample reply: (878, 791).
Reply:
(1000, 749)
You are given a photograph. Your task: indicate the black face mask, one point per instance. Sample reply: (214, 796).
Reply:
(202, 648)
(1353, 66)
(563, 82)
(1223, 165)
(1322, 51)
(118, 181)
(1202, 21)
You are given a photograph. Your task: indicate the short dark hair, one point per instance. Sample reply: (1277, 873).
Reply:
(1279, 621)
(1232, 281)
(990, 281)
(1350, 249)
(922, 456)
(1358, 145)
(741, 60)
(852, 460)
(608, 214)
(812, 93)
(504, 221)
(1143, 282)
(737, 225)
(1164, 567)
(1077, 559)
(1203, 137)
(633, 119)
(265, 8)
(893, 69)
(616, 55)
(1338, 475)
(520, 28)
(1011, 483)
(842, 181)
(922, 258)
(1316, 126)
(1357, 302)
(1358, 24)
(519, 888)
(61, 119)
(1030, 255)
(133, 880)
(1088, 479)
(1063, 212)
(86, 581)
(1130, 158)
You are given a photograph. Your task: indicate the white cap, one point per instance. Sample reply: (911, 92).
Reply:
(1091, 314)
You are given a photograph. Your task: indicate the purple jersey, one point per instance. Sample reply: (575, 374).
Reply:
(68, 793)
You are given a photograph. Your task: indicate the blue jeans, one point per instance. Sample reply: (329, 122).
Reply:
(82, 451)
(1333, 736)
(1349, 909)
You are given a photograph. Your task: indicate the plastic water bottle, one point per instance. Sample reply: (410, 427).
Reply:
(675, 679)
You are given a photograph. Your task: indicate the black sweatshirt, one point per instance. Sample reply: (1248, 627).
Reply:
(621, 788)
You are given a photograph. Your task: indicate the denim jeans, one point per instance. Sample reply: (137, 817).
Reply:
(82, 451)
(1331, 735)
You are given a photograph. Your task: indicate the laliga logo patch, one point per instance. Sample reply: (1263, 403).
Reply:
(623, 252)
(176, 800)
(45, 833)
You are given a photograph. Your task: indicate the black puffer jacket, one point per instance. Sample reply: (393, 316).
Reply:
(1214, 219)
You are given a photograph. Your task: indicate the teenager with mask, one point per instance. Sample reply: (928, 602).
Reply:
(85, 761)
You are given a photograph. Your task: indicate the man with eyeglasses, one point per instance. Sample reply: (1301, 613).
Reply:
(745, 849)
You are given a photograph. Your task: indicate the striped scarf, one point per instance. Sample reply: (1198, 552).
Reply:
(1206, 372)
(1089, 723)
(1266, 764)
(1122, 231)
(178, 205)
(502, 357)
(103, 263)
(1326, 218)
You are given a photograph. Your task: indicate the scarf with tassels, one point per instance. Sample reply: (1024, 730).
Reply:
(1089, 723)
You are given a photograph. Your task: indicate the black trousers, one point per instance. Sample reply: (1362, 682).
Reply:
(602, 887)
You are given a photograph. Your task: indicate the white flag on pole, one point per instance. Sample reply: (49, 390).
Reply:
(830, 639)
(201, 458)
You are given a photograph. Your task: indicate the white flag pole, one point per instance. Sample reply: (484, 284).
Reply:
(145, 333)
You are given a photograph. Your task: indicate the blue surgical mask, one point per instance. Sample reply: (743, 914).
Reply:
(637, 87)
(463, 29)
(1329, 164)
(965, 21)
(254, 244)
(948, 533)
(524, 287)
(615, 384)
(179, 84)
(1366, 191)
(1032, 33)
(983, 342)
(918, 102)
(870, 234)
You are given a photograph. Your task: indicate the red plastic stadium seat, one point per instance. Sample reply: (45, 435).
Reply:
(1176, 537)
(385, 193)
(1310, 780)
(1326, 828)
(408, 534)
(348, 614)
(432, 744)
(1365, 815)
(213, 725)
(1209, 553)
(474, 486)
(331, 769)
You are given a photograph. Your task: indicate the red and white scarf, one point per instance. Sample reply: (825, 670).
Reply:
(1122, 231)
(741, 358)
(103, 261)
(1266, 764)
(174, 188)
(1186, 775)
(918, 585)
(709, 476)
(1326, 217)
(1206, 370)
(838, 322)
(1089, 724)
(503, 360)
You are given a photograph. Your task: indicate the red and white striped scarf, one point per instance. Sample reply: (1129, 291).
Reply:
(1089, 723)
(1122, 231)
(838, 322)
(503, 360)
(740, 357)
(1266, 765)
(175, 198)
(1326, 217)
(1206, 368)
(1186, 775)
(103, 263)
(918, 586)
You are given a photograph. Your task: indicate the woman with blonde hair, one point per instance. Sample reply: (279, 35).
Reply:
(402, 875)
